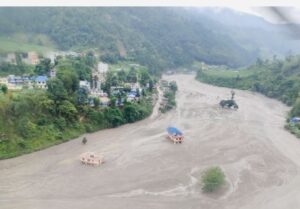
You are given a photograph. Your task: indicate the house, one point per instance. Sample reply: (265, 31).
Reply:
(104, 101)
(32, 58)
(11, 58)
(115, 90)
(40, 82)
(99, 76)
(134, 86)
(85, 84)
(131, 97)
(295, 120)
(3, 81)
(52, 73)
(102, 68)
(15, 82)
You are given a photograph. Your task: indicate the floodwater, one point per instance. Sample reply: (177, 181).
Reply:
(144, 170)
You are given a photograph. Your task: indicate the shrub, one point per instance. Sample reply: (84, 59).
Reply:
(213, 179)
(26, 128)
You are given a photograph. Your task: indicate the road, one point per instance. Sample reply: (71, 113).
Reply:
(144, 170)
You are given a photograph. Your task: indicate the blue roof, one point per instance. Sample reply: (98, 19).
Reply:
(174, 131)
(295, 120)
(41, 78)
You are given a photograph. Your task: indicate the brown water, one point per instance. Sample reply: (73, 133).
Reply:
(144, 170)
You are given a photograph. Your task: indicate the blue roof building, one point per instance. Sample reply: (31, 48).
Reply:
(40, 81)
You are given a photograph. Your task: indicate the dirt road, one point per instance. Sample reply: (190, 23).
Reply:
(144, 170)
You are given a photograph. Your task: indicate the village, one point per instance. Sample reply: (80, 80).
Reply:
(130, 91)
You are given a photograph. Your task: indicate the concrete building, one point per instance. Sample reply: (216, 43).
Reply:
(99, 76)
(85, 84)
(52, 73)
(11, 58)
(32, 58)
(40, 82)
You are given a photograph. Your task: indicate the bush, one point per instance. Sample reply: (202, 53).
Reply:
(26, 128)
(213, 179)
(114, 116)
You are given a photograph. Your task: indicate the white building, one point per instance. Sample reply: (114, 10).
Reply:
(52, 73)
(85, 84)
(4, 81)
(102, 67)
(99, 76)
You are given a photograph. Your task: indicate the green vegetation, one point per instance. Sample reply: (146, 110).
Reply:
(3, 88)
(213, 179)
(169, 101)
(278, 79)
(19, 68)
(154, 37)
(24, 43)
(33, 119)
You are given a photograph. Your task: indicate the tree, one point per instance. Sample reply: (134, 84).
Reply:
(82, 96)
(259, 61)
(131, 113)
(151, 85)
(212, 179)
(143, 93)
(132, 76)
(26, 128)
(90, 59)
(96, 102)
(69, 79)
(122, 75)
(67, 110)
(173, 86)
(4, 89)
(138, 94)
(43, 67)
(144, 77)
(114, 116)
(296, 109)
(56, 90)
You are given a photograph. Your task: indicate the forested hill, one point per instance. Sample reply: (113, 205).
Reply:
(156, 37)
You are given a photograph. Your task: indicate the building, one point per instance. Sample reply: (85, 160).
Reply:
(295, 120)
(102, 68)
(131, 96)
(32, 58)
(15, 82)
(85, 84)
(52, 73)
(11, 58)
(104, 101)
(116, 90)
(40, 82)
(99, 76)
(3, 81)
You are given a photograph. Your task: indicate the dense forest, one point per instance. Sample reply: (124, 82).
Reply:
(33, 119)
(275, 78)
(155, 37)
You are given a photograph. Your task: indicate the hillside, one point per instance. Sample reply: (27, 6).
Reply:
(253, 32)
(25, 42)
(156, 37)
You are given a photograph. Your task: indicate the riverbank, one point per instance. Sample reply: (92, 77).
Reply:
(47, 136)
(267, 80)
